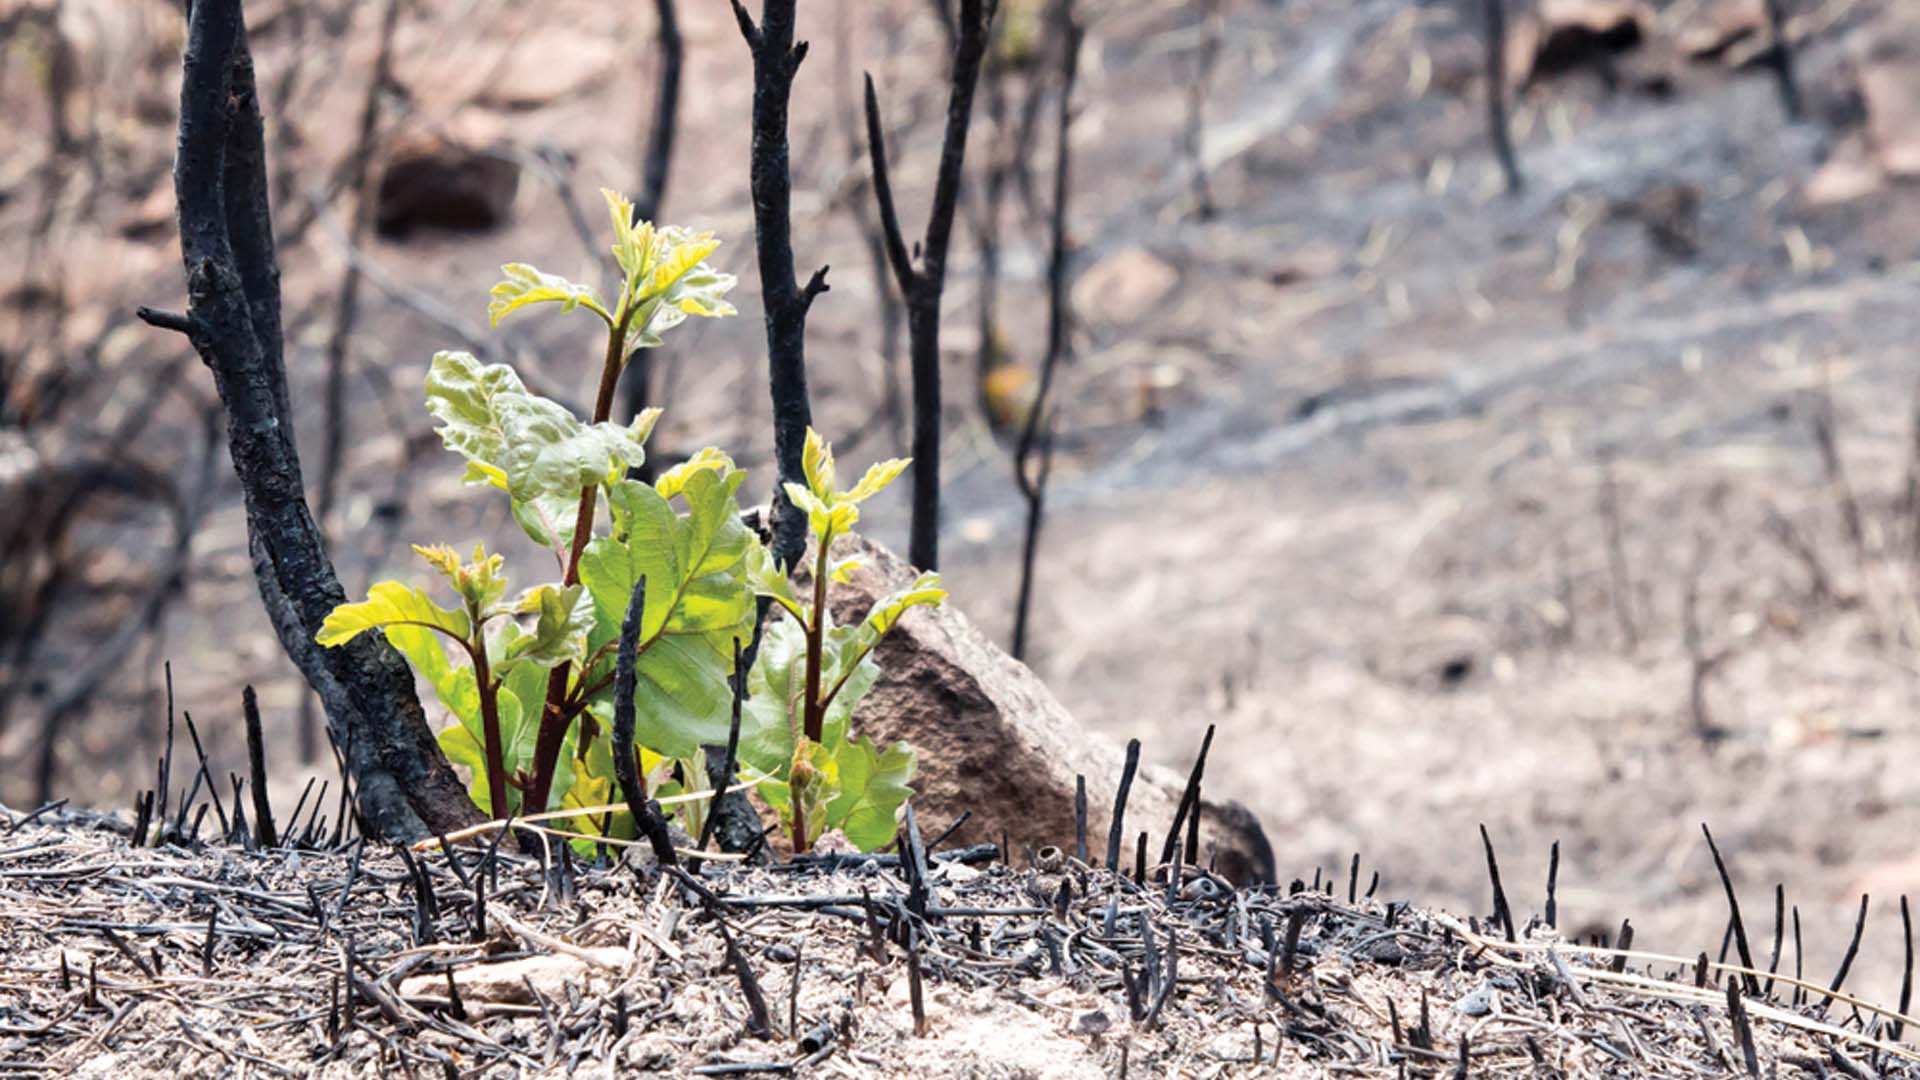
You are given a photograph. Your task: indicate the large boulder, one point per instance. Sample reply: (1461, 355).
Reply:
(437, 180)
(994, 741)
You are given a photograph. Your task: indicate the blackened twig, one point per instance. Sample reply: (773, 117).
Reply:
(1553, 882)
(1853, 950)
(1120, 804)
(1733, 909)
(739, 682)
(1742, 1027)
(1500, 909)
(759, 1020)
(1080, 818)
(263, 830)
(1779, 57)
(1189, 798)
(1779, 931)
(646, 813)
(1906, 980)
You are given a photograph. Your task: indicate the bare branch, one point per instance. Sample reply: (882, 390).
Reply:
(165, 320)
(1033, 488)
(883, 195)
(922, 286)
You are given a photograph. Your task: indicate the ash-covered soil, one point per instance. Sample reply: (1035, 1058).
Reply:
(207, 960)
(1448, 508)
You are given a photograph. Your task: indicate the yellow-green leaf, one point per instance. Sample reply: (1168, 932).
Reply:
(878, 476)
(528, 285)
(390, 603)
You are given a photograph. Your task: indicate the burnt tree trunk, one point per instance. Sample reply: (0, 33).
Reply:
(776, 59)
(407, 789)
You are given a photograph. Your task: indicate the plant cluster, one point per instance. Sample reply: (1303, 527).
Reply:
(529, 678)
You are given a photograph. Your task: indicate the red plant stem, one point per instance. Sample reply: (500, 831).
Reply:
(556, 717)
(490, 727)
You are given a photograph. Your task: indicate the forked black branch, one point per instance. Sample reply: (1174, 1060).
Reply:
(921, 285)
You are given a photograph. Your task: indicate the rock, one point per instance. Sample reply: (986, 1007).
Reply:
(507, 982)
(1849, 173)
(993, 740)
(1124, 287)
(1714, 29)
(1890, 86)
(547, 66)
(439, 182)
(1090, 1022)
(1565, 36)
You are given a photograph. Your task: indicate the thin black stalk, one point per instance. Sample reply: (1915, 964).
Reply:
(263, 830)
(1733, 909)
(1853, 950)
(1114, 829)
(725, 776)
(646, 813)
(1906, 980)
(1189, 798)
(1034, 487)
(1500, 909)
(922, 285)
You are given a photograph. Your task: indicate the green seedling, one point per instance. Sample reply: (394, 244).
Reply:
(532, 703)
(810, 673)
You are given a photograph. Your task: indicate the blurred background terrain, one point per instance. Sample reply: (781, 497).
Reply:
(1590, 512)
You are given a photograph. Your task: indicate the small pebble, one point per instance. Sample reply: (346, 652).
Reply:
(1090, 1022)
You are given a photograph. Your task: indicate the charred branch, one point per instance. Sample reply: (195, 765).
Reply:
(407, 788)
(923, 280)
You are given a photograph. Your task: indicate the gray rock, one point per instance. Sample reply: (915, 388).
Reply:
(993, 740)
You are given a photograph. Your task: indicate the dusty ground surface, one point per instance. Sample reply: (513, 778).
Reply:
(204, 960)
(1432, 480)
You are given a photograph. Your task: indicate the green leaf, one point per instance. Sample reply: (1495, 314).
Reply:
(873, 786)
(460, 394)
(821, 517)
(674, 480)
(427, 652)
(878, 476)
(548, 450)
(548, 519)
(697, 603)
(668, 279)
(560, 636)
(816, 462)
(479, 581)
(888, 610)
(389, 603)
(768, 580)
(527, 285)
(533, 447)
(776, 692)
